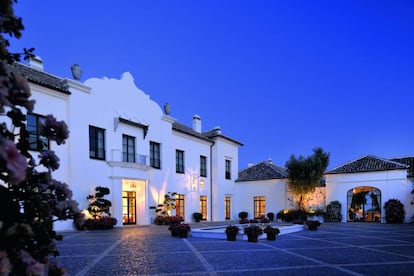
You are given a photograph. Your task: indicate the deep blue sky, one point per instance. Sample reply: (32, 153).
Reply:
(282, 77)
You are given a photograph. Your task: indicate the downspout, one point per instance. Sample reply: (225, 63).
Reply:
(211, 181)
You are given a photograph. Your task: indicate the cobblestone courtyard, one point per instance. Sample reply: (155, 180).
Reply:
(335, 249)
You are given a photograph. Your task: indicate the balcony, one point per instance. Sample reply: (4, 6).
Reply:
(120, 159)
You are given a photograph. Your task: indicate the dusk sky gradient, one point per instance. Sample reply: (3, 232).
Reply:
(282, 77)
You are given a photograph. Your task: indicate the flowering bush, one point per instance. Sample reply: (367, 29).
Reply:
(232, 230)
(100, 223)
(253, 230)
(164, 220)
(179, 229)
(271, 230)
(30, 199)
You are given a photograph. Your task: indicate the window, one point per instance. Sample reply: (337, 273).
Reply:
(96, 143)
(155, 155)
(179, 161)
(203, 207)
(259, 206)
(179, 206)
(128, 148)
(37, 142)
(228, 169)
(227, 207)
(203, 166)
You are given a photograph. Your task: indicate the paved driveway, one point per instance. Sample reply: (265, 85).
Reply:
(335, 249)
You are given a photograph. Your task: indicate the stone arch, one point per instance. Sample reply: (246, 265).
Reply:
(364, 204)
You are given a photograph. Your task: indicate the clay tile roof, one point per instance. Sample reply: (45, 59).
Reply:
(207, 136)
(40, 77)
(262, 171)
(368, 163)
(409, 160)
(189, 131)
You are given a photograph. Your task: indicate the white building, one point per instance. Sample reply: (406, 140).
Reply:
(122, 140)
(362, 186)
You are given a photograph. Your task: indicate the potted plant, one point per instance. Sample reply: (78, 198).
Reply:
(243, 217)
(271, 232)
(99, 209)
(253, 232)
(271, 216)
(197, 216)
(231, 232)
(179, 230)
(313, 224)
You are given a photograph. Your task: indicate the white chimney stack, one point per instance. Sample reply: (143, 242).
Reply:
(36, 62)
(197, 123)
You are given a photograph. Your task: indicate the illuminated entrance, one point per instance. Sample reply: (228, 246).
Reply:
(364, 204)
(128, 208)
(134, 206)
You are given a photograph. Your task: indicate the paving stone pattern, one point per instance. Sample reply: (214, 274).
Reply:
(335, 249)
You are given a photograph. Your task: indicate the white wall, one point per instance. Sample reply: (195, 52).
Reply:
(274, 190)
(393, 185)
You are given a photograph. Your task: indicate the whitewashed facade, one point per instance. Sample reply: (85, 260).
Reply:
(129, 129)
(377, 180)
(126, 120)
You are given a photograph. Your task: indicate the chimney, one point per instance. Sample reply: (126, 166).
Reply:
(36, 62)
(197, 123)
(269, 160)
(250, 164)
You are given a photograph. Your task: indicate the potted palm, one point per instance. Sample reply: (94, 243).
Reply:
(271, 232)
(231, 232)
(253, 232)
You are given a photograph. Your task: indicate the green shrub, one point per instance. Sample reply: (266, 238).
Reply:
(243, 215)
(334, 211)
(394, 211)
(293, 215)
(271, 216)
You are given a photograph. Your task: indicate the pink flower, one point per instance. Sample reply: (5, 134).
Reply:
(54, 130)
(15, 163)
(33, 267)
(5, 265)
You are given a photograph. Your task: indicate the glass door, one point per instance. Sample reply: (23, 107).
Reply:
(128, 208)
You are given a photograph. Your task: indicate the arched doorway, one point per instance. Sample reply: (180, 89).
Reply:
(364, 204)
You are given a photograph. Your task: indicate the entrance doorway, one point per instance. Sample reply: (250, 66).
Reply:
(364, 204)
(129, 207)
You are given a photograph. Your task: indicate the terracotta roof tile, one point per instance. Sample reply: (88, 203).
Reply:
(368, 163)
(40, 77)
(262, 171)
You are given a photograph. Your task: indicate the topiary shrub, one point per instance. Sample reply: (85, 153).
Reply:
(394, 211)
(271, 216)
(197, 216)
(334, 211)
(243, 215)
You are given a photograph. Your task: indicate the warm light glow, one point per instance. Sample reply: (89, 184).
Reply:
(201, 183)
(87, 214)
(194, 183)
